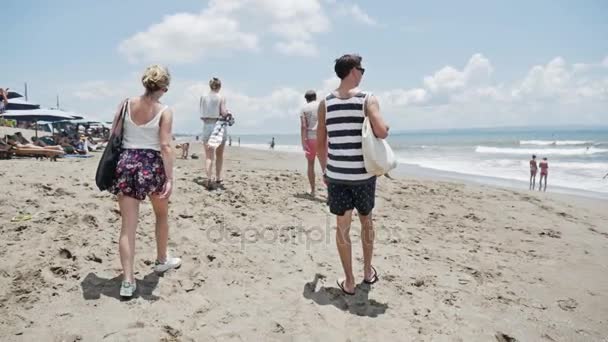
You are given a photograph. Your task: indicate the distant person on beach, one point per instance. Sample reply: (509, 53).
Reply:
(349, 185)
(230, 141)
(213, 108)
(308, 134)
(533, 171)
(272, 144)
(544, 172)
(4, 98)
(185, 147)
(239, 141)
(145, 169)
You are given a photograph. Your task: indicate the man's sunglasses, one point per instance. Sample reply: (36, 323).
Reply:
(361, 69)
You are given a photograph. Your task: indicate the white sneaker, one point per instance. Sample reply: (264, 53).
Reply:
(127, 289)
(170, 263)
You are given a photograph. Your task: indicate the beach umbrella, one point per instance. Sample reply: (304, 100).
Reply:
(44, 114)
(13, 95)
(18, 103)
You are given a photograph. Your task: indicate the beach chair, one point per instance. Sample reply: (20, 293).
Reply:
(5, 151)
(37, 153)
(26, 151)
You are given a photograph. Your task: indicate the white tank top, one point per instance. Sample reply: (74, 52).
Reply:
(210, 108)
(146, 136)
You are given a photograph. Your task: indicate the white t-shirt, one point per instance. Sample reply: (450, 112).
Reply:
(310, 113)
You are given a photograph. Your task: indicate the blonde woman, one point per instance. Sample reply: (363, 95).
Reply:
(145, 169)
(213, 108)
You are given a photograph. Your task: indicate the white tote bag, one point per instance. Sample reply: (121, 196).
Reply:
(217, 136)
(377, 154)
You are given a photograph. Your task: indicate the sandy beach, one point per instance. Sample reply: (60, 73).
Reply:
(457, 262)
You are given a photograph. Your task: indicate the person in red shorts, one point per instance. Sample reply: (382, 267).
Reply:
(544, 172)
(308, 120)
(533, 171)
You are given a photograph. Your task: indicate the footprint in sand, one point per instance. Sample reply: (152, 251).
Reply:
(502, 337)
(94, 258)
(567, 304)
(90, 220)
(174, 333)
(69, 338)
(474, 218)
(66, 254)
(551, 233)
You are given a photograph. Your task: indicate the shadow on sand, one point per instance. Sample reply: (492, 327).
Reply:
(93, 287)
(359, 304)
(307, 196)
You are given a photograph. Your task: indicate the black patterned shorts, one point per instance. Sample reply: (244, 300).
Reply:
(344, 197)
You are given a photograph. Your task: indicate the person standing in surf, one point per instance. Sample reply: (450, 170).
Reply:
(544, 172)
(533, 171)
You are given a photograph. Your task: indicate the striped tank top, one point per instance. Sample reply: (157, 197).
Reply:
(344, 121)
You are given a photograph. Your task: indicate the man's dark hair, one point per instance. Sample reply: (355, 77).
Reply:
(310, 96)
(346, 63)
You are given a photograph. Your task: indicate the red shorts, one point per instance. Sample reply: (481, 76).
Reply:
(310, 149)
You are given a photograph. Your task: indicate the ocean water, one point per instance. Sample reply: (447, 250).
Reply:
(578, 158)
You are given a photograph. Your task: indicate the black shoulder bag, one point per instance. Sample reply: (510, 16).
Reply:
(106, 169)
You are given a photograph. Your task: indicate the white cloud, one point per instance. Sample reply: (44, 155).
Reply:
(477, 71)
(297, 48)
(95, 90)
(354, 12)
(361, 16)
(545, 81)
(187, 37)
(555, 93)
(401, 97)
(552, 93)
(228, 26)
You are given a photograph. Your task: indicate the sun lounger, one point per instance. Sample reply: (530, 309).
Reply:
(84, 156)
(25, 151)
(37, 153)
(5, 151)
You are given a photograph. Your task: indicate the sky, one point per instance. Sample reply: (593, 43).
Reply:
(432, 64)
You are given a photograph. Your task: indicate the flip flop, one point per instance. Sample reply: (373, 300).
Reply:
(374, 279)
(341, 286)
(21, 218)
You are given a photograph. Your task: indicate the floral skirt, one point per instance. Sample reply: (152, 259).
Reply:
(139, 173)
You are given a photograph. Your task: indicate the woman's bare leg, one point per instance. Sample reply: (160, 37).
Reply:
(209, 159)
(129, 211)
(345, 249)
(161, 211)
(219, 161)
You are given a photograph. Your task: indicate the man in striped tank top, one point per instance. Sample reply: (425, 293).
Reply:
(349, 185)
